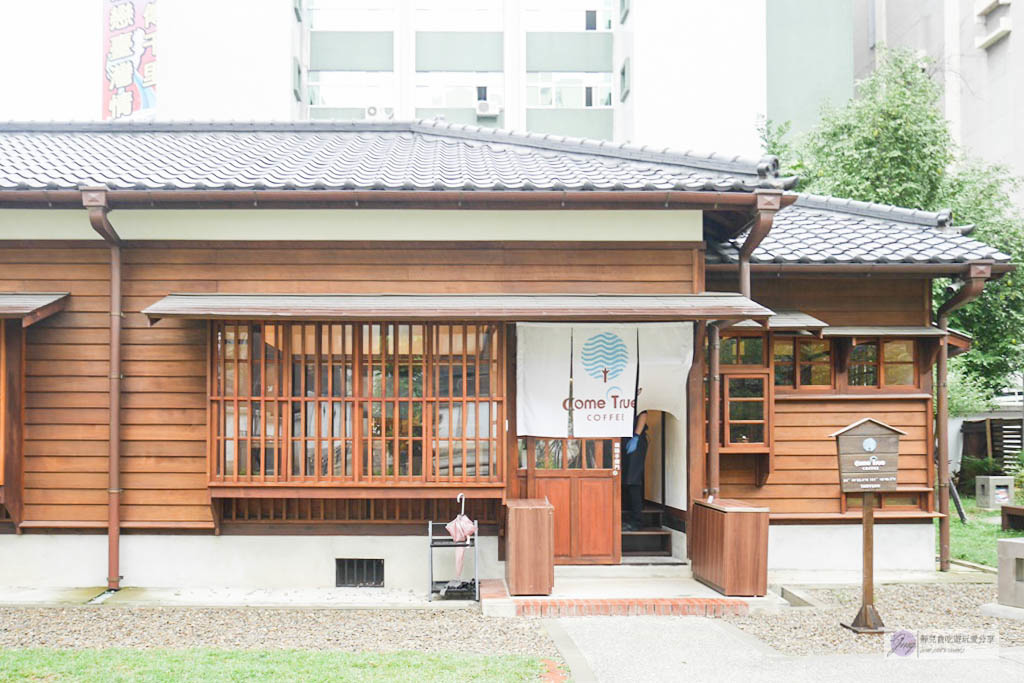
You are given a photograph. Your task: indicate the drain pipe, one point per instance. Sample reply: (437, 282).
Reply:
(95, 202)
(768, 203)
(974, 283)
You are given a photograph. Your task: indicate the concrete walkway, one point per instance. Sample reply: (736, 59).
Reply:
(698, 649)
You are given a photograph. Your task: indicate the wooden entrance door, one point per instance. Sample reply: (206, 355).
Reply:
(580, 478)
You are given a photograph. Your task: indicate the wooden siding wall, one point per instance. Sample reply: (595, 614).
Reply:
(164, 389)
(805, 480)
(843, 301)
(806, 475)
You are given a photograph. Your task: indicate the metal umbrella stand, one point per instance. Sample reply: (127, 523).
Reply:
(461, 533)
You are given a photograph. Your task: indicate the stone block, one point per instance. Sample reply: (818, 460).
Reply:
(1011, 572)
(992, 492)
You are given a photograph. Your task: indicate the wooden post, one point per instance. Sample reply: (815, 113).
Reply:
(867, 619)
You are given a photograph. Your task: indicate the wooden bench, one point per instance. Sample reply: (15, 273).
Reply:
(1013, 517)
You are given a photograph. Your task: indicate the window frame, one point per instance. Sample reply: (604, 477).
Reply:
(765, 421)
(797, 385)
(880, 363)
(738, 336)
(760, 370)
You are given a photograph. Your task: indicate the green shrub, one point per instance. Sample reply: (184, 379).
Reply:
(972, 468)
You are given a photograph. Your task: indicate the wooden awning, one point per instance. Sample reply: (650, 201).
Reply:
(787, 321)
(31, 307)
(883, 331)
(429, 307)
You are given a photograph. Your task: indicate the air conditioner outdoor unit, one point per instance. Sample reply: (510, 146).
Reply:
(375, 113)
(485, 109)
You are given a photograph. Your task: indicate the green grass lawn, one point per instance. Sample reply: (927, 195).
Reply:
(976, 540)
(272, 665)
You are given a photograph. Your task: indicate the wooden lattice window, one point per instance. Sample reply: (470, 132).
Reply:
(356, 403)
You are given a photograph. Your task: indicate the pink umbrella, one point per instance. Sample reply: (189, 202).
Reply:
(460, 529)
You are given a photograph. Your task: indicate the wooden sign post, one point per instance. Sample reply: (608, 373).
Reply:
(868, 463)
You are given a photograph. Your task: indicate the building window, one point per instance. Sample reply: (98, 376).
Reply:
(623, 11)
(864, 364)
(451, 90)
(875, 363)
(356, 403)
(624, 78)
(802, 363)
(898, 362)
(568, 90)
(745, 399)
(566, 454)
(564, 15)
(356, 90)
(742, 351)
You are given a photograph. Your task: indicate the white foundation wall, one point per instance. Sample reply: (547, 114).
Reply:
(171, 561)
(906, 547)
(53, 560)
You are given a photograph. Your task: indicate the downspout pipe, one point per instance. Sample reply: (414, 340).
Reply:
(768, 202)
(95, 202)
(974, 284)
(714, 410)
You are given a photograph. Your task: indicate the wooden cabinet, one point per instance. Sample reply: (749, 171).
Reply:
(530, 547)
(729, 549)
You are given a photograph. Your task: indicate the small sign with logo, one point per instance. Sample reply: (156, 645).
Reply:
(868, 457)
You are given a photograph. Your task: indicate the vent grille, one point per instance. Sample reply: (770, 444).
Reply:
(359, 573)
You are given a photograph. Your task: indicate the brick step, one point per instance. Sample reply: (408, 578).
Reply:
(585, 607)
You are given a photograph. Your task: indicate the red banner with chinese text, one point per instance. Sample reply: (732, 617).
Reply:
(129, 57)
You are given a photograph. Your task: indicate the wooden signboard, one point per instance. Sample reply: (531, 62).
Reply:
(868, 463)
(868, 457)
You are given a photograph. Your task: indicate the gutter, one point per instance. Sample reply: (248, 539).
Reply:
(95, 202)
(780, 269)
(451, 199)
(974, 285)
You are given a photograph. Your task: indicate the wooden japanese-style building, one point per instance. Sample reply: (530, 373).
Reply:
(233, 354)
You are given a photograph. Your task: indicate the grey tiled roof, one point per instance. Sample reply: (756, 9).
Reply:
(423, 155)
(818, 229)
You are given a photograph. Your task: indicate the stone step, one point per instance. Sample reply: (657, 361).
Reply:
(585, 607)
(623, 571)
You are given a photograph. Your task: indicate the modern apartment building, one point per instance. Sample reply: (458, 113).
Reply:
(524, 64)
(640, 71)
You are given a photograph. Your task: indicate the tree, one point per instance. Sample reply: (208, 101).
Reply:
(892, 145)
(967, 393)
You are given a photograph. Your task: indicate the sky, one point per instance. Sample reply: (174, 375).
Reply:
(50, 59)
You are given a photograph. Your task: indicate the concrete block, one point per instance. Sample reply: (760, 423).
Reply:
(1011, 572)
(991, 609)
(991, 493)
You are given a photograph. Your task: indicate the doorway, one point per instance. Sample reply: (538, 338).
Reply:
(580, 478)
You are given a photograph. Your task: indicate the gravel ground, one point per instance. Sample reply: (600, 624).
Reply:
(812, 631)
(260, 629)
